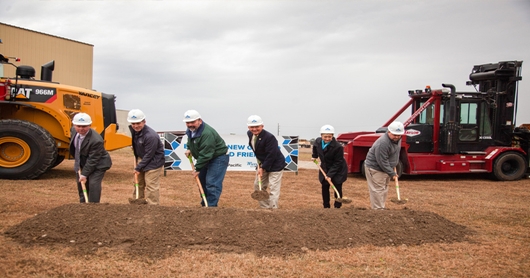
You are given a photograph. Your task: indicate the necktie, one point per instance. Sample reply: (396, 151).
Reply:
(254, 140)
(77, 145)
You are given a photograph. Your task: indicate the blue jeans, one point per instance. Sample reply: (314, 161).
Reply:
(211, 177)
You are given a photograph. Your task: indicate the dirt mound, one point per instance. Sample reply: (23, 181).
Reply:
(156, 231)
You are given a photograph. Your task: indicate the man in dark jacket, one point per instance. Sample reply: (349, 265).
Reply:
(270, 160)
(149, 153)
(91, 158)
(210, 152)
(331, 155)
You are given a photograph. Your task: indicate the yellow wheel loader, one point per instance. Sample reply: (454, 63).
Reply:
(36, 121)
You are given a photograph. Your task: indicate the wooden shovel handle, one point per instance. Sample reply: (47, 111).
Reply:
(326, 176)
(397, 185)
(198, 183)
(136, 186)
(259, 178)
(83, 186)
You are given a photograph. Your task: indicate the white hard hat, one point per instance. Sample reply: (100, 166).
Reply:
(191, 115)
(254, 120)
(327, 129)
(396, 128)
(135, 116)
(82, 119)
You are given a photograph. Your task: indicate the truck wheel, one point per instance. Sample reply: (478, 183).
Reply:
(509, 166)
(363, 172)
(26, 150)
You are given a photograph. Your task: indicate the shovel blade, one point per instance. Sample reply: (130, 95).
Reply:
(399, 201)
(260, 195)
(137, 201)
(343, 200)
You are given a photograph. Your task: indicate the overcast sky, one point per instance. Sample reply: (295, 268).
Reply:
(297, 64)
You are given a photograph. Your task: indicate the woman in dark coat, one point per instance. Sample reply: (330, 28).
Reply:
(331, 156)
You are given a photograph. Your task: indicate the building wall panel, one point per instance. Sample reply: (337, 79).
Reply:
(73, 59)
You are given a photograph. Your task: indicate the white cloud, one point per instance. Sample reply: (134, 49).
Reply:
(297, 64)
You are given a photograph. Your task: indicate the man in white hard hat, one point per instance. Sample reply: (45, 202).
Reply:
(210, 152)
(149, 154)
(331, 156)
(90, 157)
(381, 160)
(269, 158)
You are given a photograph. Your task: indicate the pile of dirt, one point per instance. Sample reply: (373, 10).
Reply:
(156, 231)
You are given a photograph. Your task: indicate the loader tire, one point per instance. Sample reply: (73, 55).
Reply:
(26, 150)
(509, 166)
(60, 158)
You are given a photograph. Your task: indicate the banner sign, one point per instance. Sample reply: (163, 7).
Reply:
(241, 155)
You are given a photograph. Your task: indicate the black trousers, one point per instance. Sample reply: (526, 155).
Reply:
(93, 186)
(325, 194)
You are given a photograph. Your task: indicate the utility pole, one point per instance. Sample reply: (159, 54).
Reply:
(278, 129)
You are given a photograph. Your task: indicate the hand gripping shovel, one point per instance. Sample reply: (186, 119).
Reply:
(398, 201)
(260, 195)
(338, 199)
(83, 186)
(198, 183)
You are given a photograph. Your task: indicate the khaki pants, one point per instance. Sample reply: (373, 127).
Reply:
(150, 181)
(377, 186)
(274, 181)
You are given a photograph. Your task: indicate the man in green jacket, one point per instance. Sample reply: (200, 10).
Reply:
(210, 152)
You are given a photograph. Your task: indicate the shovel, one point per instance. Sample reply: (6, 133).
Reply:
(83, 186)
(198, 183)
(136, 201)
(260, 194)
(338, 199)
(398, 201)
(136, 188)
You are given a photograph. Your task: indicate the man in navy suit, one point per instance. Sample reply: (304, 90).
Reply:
(91, 158)
(270, 160)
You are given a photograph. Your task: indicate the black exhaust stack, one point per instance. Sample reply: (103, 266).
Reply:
(450, 133)
(47, 70)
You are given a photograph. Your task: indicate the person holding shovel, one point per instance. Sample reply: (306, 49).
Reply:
(211, 154)
(381, 160)
(270, 161)
(149, 154)
(91, 160)
(331, 156)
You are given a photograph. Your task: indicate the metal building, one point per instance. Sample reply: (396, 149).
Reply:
(73, 59)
